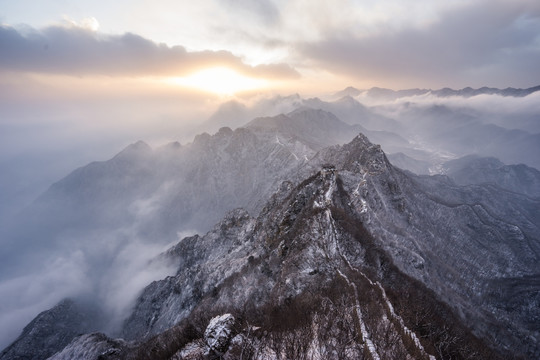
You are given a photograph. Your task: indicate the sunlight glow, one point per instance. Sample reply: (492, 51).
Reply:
(220, 80)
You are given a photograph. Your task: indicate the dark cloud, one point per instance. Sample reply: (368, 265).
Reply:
(488, 43)
(78, 51)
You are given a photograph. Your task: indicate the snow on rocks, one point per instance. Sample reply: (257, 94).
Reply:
(328, 174)
(92, 346)
(218, 333)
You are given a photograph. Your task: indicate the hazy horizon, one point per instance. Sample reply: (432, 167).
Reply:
(88, 78)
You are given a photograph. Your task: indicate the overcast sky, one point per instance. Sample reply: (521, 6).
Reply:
(388, 43)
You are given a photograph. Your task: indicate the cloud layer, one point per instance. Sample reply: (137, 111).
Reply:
(495, 43)
(386, 43)
(75, 50)
(486, 43)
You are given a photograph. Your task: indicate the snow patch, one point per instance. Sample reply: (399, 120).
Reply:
(365, 335)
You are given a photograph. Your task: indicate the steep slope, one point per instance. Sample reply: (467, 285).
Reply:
(157, 193)
(93, 346)
(52, 330)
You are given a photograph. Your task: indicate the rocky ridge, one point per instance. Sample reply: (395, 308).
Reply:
(333, 230)
(397, 257)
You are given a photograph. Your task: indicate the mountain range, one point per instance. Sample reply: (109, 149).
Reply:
(389, 94)
(305, 241)
(431, 131)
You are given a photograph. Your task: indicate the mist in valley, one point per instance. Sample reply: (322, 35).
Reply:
(99, 246)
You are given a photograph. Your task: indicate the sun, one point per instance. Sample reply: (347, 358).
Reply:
(220, 80)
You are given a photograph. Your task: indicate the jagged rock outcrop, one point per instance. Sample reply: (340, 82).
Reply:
(468, 244)
(218, 334)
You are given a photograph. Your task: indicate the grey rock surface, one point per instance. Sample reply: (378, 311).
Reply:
(219, 333)
(52, 330)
